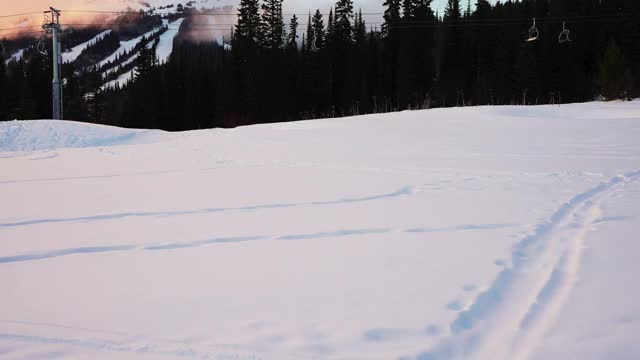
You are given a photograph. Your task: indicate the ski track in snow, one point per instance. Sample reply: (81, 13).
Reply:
(241, 239)
(138, 346)
(401, 192)
(506, 321)
(509, 319)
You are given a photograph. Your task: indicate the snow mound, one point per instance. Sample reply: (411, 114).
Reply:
(36, 135)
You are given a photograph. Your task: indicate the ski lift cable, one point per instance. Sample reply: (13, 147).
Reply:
(23, 14)
(205, 13)
(399, 25)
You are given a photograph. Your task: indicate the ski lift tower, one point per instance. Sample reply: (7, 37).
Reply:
(52, 26)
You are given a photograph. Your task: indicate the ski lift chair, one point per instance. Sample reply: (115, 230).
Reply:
(534, 34)
(564, 35)
(41, 47)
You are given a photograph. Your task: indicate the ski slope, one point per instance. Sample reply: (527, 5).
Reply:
(125, 47)
(498, 233)
(165, 42)
(16, 56)
(163, 52)
(196, 4)
(73, 54)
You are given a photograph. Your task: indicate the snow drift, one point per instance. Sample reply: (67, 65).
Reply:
(32, 135)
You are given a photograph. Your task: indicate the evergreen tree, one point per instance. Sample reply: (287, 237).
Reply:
(452, 75)
(292, 40)
(273, 24)
(408, 9)
(391, 17)
(452, 11)
(310, 37)
(360, 29)
(343, 16)
(318, 29)
(331, 28)
(146, 59)
(613, 73)
(249, 27)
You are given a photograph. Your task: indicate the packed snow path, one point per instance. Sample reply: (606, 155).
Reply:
(475, 233)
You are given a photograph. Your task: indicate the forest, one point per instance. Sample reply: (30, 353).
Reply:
(274, 67)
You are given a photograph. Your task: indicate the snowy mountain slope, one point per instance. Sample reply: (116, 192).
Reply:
(470, 233)
(196, 4)
(165, 43)
(72, 54)
(16, 56)
(126, 46)
(121, 80)
(163, 51)
(120, 66)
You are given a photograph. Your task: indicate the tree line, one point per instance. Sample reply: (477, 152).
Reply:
(274, 69)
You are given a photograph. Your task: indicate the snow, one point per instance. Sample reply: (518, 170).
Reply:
(163, 51)
(17, 56)
(197, 4)
(468, 233)
(35, 135)
(117, 68)
(71, 55)
(122, 80)
(165, 44)
(126, 46)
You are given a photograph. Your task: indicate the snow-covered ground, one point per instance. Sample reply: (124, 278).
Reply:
(163, 51)
(471, 233)
(16, 56)
(72, 54)
(126, 46)
(165, 43)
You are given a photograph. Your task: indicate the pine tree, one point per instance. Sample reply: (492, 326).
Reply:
(343, 16)
(391, 17)
(360, 29)
(273, 24)
(249, 27)
(452, 11)
(293, 33)
(408, 9)
(318, 29)
(331, 28)
(310, 39)
(146, 60)
(612, 73)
